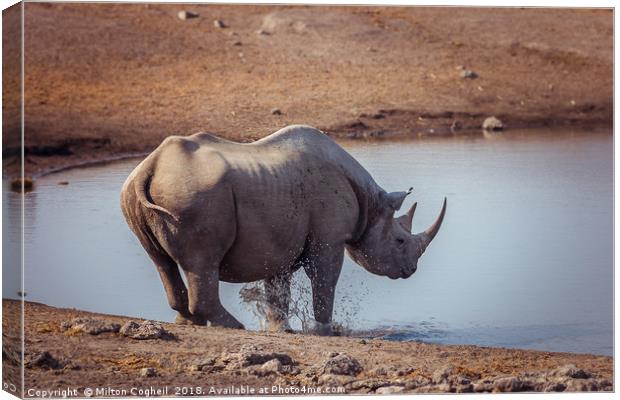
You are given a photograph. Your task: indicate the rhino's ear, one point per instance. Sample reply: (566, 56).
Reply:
(395, 199)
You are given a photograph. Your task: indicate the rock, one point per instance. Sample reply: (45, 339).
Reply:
(249, 355)
(441, 375)
(363, 341)
(342, 364)
(90, 326)
(492, 124)
(200, 365)
(507, 384)
(63, 182)
(468, 74)
(465, 388)
(290, 370)
(390, 389)
(43, 360)
(456, 126)
(482, 387)
(145, 330)
(581, 385)
(148, 372)
(371, 384)
(335, 380)
(17, 183)
(276, 111)
(218, 23)
(379, 371)
(237, 43)
(272, 366)
(262, 32)
(445, 388)
(554, 387)
(184, 15)
(570, 371)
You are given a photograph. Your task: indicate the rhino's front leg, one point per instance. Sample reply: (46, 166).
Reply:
(278, 297)
(323, 269)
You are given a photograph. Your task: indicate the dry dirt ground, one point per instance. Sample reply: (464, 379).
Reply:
(102, 80)
(202, 358)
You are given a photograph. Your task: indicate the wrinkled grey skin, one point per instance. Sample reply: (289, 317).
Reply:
(220, 210)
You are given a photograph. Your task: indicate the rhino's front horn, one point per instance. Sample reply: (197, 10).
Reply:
(428, 235)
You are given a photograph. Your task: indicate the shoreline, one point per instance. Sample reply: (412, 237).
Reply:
(59, 357)
(38, 166)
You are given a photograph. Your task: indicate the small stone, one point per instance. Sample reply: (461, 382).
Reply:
(379, 371)
(554, 387)
(262, 32)
(466, 388)
(445, 388)
(90, 326)
(148, 372)
(581, 385)
(342, 364)
(237, 43)
(276, 111)
(456, 126)
(460, 67)
(200, 365)
(492, 124)
(43, 360)
(390, 389)
(570, 371)
(370, 384)
(272, 366)
(507, 384)
(26, 182)
(363, 341)
(145, 330)
(218, 23)
(63, 183)
(482, 387)
(468, 74)
(335, 380)
(184, 15)
(441, 375)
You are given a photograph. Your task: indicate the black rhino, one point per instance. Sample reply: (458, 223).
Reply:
(221, 210)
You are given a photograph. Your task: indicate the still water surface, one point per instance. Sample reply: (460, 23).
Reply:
(524, 258)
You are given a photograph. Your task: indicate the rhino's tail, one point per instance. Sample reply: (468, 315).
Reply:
(142, 184)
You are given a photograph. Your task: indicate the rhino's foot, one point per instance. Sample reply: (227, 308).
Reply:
(279, 326)
(189, 320)
(322, 329)
(233, 324)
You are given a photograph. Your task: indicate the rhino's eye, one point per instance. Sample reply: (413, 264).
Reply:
(400, 241)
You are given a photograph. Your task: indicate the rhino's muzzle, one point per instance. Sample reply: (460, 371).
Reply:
(407, 272)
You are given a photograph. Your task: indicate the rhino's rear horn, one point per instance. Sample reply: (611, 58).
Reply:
(428, 235)
(407, 219)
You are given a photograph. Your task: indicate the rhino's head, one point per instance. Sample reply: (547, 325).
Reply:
(388, 247)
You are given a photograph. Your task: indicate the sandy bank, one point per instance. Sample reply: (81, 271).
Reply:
(103, 80)
(218, 358)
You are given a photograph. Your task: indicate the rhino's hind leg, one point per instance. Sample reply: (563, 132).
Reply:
(176, 292)
(278, 297)
(175, 289)
(204, 299)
